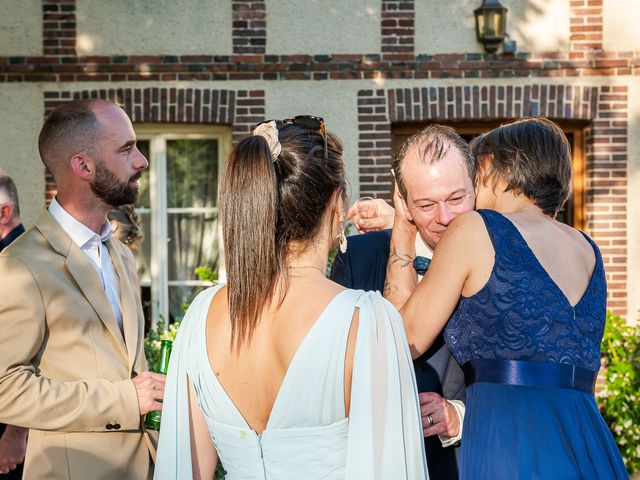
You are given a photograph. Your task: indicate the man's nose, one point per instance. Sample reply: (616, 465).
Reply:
(444, 215)
(140, 162)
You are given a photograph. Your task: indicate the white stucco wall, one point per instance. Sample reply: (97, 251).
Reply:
(21, 27)
(22, 109)
(633, 202)
(620, 30)
(323, 27)
(336, 102)
(175, 27)
(448, 26)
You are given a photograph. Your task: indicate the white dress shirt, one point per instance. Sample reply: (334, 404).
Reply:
(94, 248)
(424, 251)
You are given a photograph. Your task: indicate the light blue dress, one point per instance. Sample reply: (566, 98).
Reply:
(307, 435)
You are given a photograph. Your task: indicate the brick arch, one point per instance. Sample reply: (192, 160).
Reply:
(603, 108)
(240, 109)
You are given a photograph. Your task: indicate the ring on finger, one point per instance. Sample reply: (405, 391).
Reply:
(430, 420)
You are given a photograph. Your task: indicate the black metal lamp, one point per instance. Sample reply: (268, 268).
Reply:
(491, 23)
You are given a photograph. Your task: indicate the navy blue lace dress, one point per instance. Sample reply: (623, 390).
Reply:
(530, 360)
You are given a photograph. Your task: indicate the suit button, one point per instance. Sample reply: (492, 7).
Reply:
(134, 374)
(116, 426)
(109, 426)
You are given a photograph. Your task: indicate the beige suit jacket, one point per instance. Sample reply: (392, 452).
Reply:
(65, 368)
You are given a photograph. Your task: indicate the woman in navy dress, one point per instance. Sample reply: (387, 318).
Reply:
(525, 299)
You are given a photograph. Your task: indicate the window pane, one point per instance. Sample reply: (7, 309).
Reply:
(180, 296)
(143, 252)
(143, 195)
(192, 173)
(193, 242)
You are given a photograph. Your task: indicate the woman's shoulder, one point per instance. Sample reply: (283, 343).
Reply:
(468, 221)
(199, 307)
(465, 231)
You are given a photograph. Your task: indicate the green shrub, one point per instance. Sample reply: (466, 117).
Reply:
(619, 400)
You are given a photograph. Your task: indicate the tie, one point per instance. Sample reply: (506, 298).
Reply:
(421, 264)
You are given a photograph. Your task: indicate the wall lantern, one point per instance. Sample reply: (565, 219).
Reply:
(491, 22)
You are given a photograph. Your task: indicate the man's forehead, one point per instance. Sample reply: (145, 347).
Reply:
(436, 179)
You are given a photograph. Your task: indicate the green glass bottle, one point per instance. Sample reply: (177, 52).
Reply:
(152, 420)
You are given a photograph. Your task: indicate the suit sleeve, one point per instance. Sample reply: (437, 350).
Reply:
(341, 270)
(31, 400)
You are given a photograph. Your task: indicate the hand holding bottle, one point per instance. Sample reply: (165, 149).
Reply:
(150, 390)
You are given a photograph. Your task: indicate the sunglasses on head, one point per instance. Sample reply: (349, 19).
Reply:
(310, 122)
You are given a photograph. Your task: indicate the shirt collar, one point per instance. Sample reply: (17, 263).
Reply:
(422, 249)
(79, 232)
(13, 234)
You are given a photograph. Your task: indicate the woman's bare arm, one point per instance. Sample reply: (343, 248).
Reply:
(428, 308)
(204, 457)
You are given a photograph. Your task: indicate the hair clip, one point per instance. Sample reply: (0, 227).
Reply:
(269, 132)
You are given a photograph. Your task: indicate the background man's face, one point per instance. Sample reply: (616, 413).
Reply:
(436, 193)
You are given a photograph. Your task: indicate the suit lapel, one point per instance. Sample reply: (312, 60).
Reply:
(128, 303)
(83, 272)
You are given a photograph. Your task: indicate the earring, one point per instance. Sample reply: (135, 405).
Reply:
(342, 240)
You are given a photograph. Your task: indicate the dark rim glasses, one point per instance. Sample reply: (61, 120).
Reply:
(310, 122)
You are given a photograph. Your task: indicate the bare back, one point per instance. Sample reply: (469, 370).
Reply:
(252, 376)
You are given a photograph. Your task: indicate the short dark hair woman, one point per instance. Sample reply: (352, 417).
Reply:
(524, 296)
(281, 372)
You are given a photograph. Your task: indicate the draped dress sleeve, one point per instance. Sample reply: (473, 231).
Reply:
(385, 433)
(173, 459)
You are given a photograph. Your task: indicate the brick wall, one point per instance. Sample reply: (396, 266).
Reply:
(585, 29)
(59, 28)
(249, 34)
(601, 107)
(398, 29)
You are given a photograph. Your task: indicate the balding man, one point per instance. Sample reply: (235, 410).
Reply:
(13, 440)
(72, 366)
(435, 175)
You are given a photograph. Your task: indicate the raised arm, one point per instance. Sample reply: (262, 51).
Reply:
(204, 456)
(426, 308)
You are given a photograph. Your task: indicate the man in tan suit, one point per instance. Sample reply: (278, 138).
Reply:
(72, 366)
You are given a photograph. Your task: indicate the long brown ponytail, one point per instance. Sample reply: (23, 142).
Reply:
(264, 206)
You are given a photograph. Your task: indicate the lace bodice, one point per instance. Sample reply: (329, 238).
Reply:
(521, 314)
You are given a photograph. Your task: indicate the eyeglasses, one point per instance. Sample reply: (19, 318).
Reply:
(309, 122)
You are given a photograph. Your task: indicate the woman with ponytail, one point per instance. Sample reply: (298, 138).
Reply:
(281, 373)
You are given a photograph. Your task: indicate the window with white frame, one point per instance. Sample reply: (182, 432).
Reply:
(178, 211)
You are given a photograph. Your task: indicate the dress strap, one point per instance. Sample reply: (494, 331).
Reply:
(526, 373)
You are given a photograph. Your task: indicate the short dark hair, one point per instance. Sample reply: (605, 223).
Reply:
(436, 140)
(9, 188)
(532, 156)
(267, 206)
(71, 128)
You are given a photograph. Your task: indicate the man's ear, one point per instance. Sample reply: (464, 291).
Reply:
(405, 207)
(83, 166)
(6, 214)
(338, 205)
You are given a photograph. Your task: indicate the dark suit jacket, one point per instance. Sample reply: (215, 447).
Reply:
(364, 266)
(5, 242)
